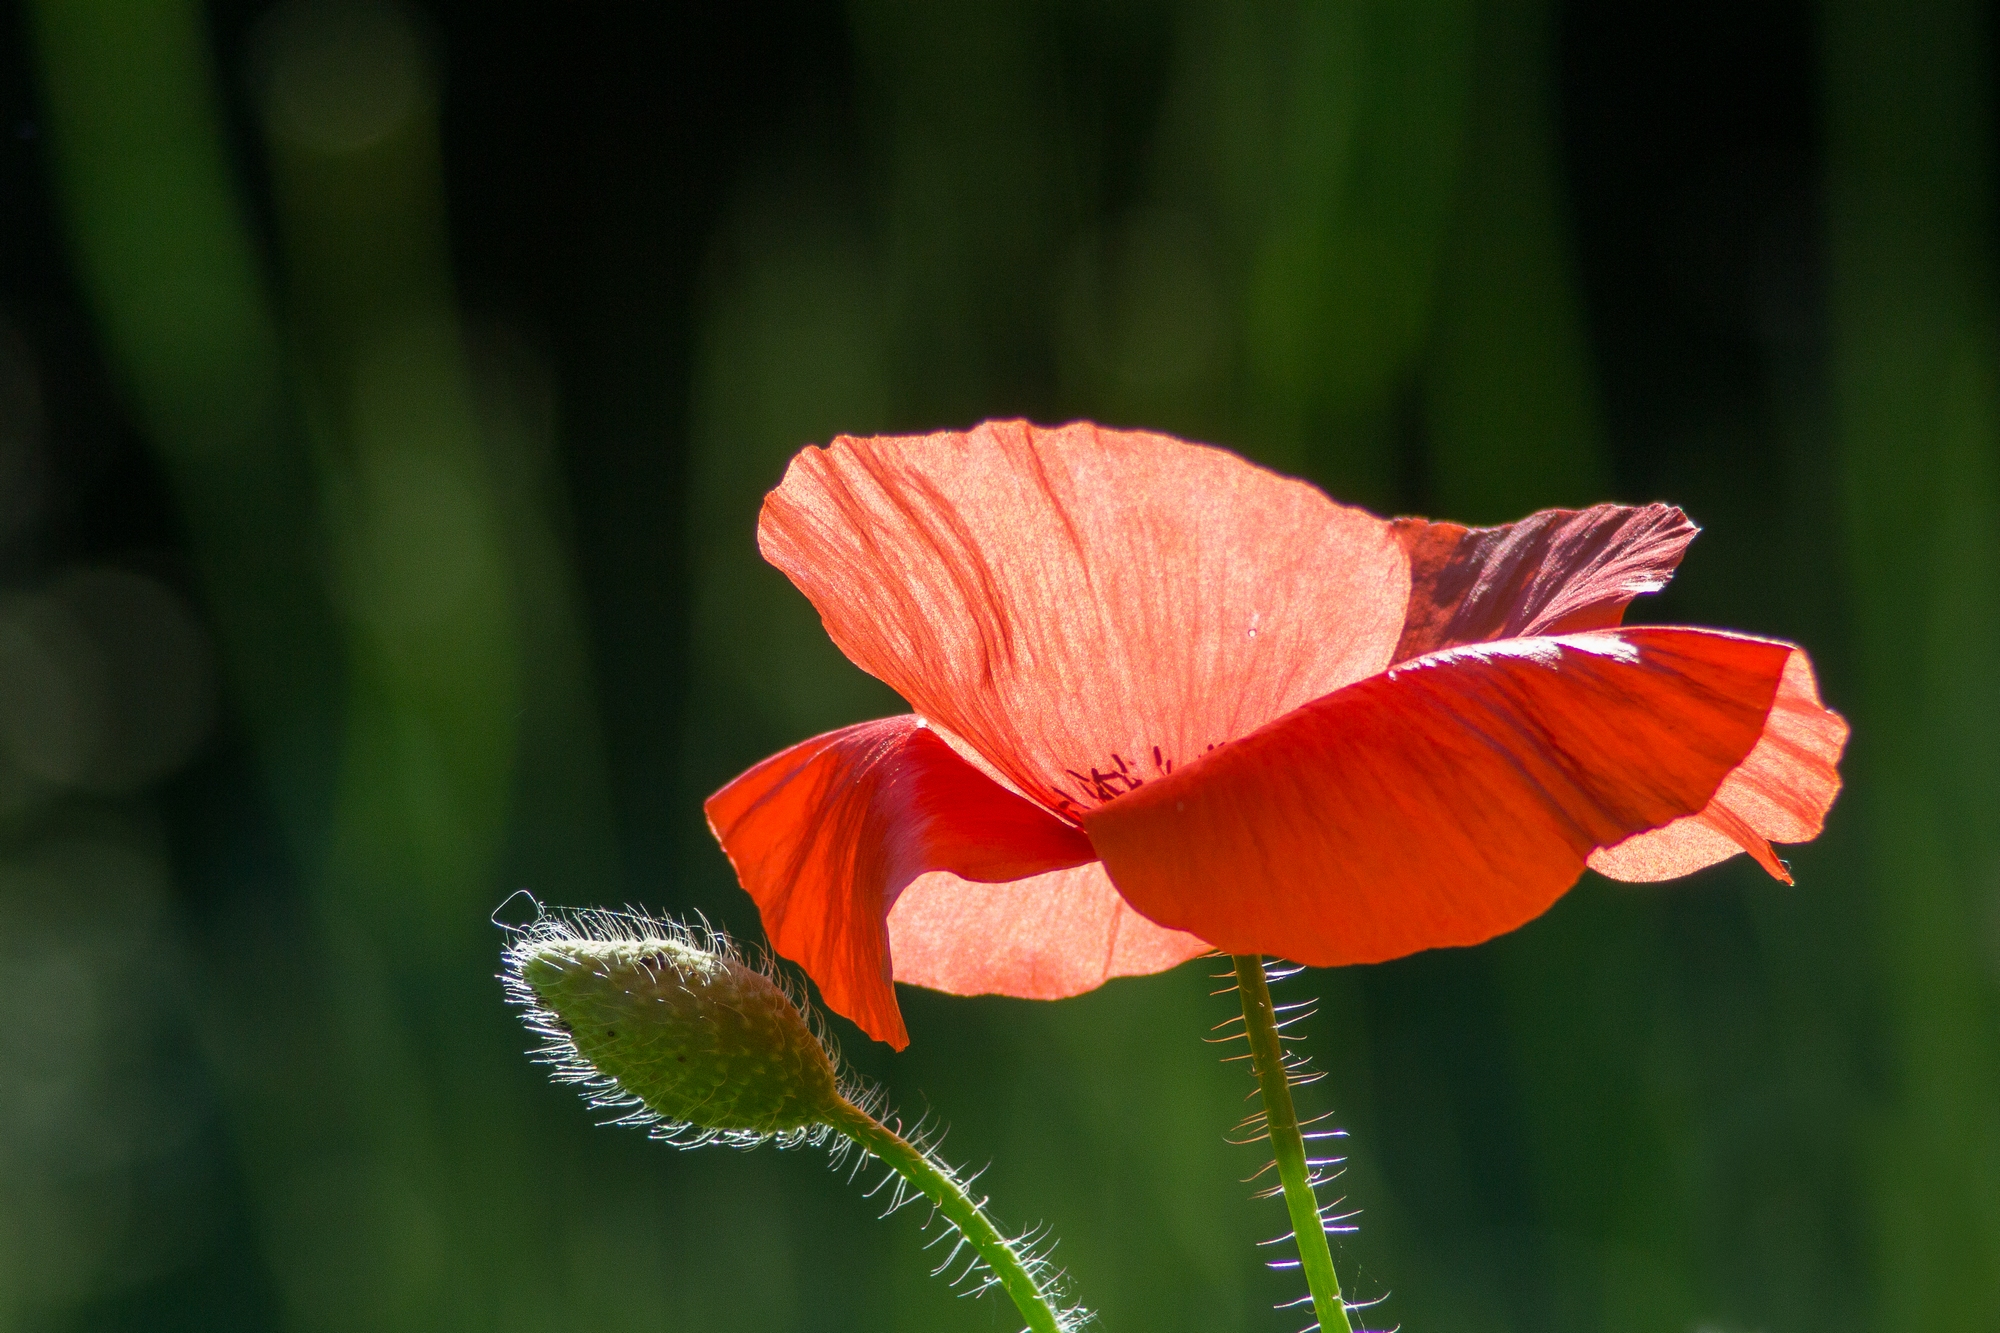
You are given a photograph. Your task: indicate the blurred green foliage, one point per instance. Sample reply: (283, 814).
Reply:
(475, 584)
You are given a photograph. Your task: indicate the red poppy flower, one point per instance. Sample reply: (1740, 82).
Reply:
(1167, 701)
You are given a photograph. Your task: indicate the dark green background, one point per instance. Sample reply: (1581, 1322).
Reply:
(385, 400)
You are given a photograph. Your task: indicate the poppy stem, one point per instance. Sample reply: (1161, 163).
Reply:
(1033, 1297)
(1267, 1056)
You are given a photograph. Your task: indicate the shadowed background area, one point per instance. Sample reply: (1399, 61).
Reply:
(386, 396)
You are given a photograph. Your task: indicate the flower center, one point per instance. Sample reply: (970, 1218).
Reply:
(1108, 781)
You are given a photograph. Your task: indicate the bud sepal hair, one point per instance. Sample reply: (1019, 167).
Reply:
(675, 1026)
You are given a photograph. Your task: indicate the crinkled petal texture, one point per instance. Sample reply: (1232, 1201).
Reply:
(1555, 572)
(1085, 608)
(1780, 793)
(1444, 801)
(826, 835)
(1560, 571)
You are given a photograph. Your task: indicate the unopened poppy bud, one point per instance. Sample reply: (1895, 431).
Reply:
(673, 1024)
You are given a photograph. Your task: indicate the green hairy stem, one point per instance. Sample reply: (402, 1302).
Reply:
(1029, 1296)
(1260, 1023)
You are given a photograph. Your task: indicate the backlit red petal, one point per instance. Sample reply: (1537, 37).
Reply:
(1444, 801)
(1780, 793)
(1085, 608)
(825, 835)
(1055, 935)
(1556, 572)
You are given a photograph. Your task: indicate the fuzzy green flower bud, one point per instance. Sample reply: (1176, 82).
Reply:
(673, 1025)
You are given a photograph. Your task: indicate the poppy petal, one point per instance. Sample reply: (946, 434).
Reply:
(1780, 793)
(1085, 608)
(825, 835)
(1557, 572)
(1045, 938)
(1444, 801)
